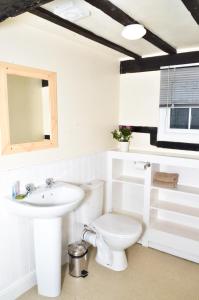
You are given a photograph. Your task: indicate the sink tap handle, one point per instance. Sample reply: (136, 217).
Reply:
(30, 187)
(49, 182)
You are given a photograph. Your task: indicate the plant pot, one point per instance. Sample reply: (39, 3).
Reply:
(123, 146)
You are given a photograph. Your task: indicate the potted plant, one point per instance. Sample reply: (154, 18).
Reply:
(123, 136)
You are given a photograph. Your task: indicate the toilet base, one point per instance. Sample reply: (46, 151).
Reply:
(118, 263)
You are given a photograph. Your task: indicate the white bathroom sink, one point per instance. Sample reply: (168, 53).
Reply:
(47, 202)
(47, 206)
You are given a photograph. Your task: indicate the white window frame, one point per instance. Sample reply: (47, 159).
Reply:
(177, 130)
(165, 133)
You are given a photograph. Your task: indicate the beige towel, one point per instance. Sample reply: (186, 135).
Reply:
(166, 177)
(165, 184)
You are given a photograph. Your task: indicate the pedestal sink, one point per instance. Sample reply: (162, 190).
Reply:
(47, 205)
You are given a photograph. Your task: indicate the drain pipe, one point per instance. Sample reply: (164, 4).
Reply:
(89, 236)
(104, 254)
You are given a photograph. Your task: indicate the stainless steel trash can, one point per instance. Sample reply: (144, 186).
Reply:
(78, 264)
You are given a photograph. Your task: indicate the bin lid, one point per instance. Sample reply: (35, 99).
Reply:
(77, 248)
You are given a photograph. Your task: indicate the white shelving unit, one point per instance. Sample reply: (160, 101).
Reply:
(175, 208)
(129, 180)
(176, 229)
(170, 215)
(179, 189)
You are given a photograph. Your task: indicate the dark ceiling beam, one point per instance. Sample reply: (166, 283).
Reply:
(154, 63)
(13, 8)
(120, 16)
(193, 7)
(49, 16)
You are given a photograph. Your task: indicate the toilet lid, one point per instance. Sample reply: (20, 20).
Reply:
(116, 224)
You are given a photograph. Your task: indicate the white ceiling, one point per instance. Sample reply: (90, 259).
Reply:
(168, 19)
(103, 25)
(59, 32)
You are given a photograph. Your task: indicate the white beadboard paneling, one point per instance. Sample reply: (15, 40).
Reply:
(16, 246)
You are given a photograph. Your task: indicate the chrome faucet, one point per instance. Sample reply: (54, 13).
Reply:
(30, 187)
(49, 182)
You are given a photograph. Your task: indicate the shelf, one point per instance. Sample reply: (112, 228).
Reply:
(179, 189)
(176, 208)
(129, 179)
(175, 229)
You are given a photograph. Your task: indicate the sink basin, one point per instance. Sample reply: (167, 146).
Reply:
(47, 202)
(47, 206)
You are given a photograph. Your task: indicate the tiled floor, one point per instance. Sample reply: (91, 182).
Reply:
(151, 275)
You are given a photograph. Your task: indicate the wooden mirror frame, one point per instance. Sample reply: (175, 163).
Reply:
(6, 146)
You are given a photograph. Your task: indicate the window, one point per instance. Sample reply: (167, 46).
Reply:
(179, 118)
(179, 104)
(194, 118)
(184, 118)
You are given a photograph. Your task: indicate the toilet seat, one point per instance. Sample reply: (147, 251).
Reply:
(117, 225)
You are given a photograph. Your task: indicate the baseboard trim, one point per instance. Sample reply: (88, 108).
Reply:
(22, 285)
(175, 252)
(19, 287)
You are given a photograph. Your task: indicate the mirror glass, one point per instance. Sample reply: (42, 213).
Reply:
(29, 109)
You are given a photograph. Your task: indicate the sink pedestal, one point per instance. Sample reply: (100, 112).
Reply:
(47, 244)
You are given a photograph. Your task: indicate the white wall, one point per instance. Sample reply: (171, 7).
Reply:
(139, 104)
(88, 88)
(88, 97)
(139, 99)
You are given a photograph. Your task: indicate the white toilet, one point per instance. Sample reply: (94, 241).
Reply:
(111, 233)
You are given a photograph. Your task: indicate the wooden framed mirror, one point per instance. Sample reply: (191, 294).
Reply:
(28, 109)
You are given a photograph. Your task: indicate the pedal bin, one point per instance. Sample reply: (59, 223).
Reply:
(78, 264)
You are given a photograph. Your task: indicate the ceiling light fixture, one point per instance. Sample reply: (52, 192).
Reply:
(133, 32)
(71, 10)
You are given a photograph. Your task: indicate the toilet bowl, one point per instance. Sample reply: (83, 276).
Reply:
(110, 233)
(119, 232)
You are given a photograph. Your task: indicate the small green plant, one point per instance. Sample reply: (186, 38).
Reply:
(123, 134)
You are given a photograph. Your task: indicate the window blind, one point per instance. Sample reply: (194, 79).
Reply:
(179, 86)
